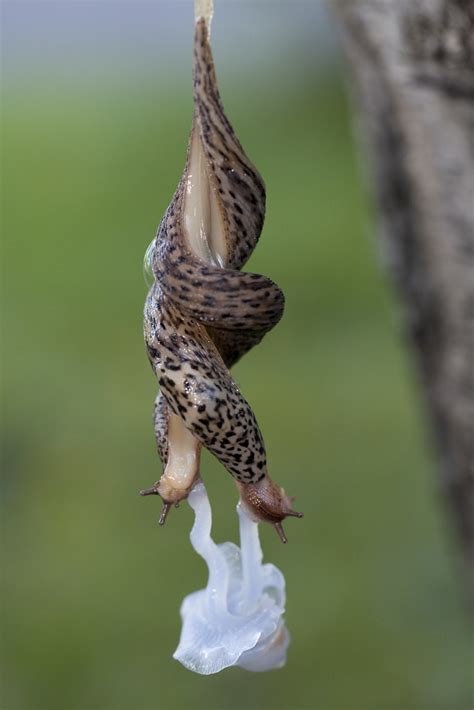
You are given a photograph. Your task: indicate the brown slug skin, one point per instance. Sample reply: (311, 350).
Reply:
(202, 313)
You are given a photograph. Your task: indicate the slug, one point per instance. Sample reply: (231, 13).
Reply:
(202, 314)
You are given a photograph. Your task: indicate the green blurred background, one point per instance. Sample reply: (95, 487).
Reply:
(92, 152)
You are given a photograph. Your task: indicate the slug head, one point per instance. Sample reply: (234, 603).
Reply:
(265, 501)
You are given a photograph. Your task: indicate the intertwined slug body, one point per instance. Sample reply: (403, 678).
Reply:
(202, 313)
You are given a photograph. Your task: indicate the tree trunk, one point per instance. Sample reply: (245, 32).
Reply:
(413, 62)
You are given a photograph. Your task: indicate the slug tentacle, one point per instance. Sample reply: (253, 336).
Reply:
(202, 313)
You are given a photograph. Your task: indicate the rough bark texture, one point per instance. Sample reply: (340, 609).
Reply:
(413, 63)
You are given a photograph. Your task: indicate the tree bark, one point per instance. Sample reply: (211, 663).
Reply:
(413, 63)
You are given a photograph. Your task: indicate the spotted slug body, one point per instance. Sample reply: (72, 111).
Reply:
(202, 313)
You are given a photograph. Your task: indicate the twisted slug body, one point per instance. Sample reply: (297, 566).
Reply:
(202, 313)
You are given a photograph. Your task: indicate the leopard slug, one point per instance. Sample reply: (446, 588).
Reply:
(202, 313)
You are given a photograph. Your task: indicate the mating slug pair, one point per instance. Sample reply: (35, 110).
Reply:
(202, 314)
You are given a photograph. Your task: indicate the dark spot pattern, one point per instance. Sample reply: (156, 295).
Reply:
(200, 319)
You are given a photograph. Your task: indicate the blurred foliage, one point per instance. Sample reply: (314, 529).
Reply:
(92, 586)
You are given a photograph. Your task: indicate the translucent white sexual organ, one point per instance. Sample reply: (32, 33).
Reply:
(237, 620)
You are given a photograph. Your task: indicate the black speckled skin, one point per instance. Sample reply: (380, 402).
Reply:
(200, 319)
